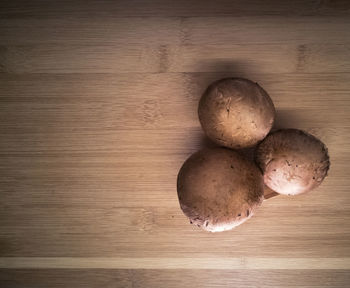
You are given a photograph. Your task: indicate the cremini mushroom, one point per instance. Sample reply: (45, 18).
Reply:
(219, 189)
(292, 161)
(236, 112)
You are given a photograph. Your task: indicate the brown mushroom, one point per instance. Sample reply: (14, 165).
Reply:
(236, 112)
(292, 161)
(219, 189)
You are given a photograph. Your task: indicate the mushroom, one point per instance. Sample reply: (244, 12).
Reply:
(219, 189)
(236, 112)
(292, 161)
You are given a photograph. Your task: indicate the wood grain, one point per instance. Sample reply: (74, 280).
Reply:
(222, 263)
(98, 111)
(37, 278)
(174, 30)
(169, 8)
(127, 58)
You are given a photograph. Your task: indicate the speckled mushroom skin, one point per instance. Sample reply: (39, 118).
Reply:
(219, 189)
(236, 112)
(292, 161)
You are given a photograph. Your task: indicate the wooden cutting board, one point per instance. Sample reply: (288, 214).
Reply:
(99, 110)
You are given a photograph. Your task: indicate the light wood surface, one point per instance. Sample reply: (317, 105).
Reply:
(98, 111)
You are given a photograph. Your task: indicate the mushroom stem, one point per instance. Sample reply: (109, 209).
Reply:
(268, 193)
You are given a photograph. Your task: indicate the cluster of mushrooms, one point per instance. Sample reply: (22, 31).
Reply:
(220, 188)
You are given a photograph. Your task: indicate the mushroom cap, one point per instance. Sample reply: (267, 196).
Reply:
(292, 161)
(236, 112)
(219, 189)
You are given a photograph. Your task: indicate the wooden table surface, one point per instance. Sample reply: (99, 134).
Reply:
(98, 111)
